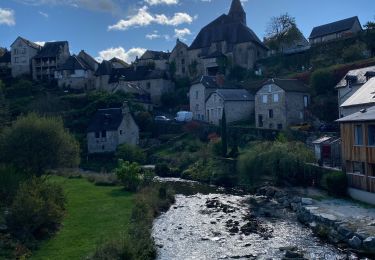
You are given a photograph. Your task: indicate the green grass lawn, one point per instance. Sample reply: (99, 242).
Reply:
(94, 214)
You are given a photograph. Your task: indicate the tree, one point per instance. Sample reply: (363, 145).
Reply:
(35, 144)
(129, 174)
(224, 142)
(4, 107)
(322, 82)
(282, 30)
(130, 153)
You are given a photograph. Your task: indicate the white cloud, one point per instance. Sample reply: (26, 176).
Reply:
(144, 18)
(157, 35)
(121, 53)
(181, 33)
(40, 43)
(43, 14)
(158, 2)
(7, 17)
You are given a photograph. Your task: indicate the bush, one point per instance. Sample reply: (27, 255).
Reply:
(336, 183)
(37, 210)
(114, 249)
(10, 179)
(131, 153)
(322, 81)
(129, 174)
(354, 52)
(34, 144)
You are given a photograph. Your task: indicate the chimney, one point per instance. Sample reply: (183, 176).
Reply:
(220, 79)
(125, 108)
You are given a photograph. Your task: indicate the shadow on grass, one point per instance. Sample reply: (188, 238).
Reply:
(119, 192)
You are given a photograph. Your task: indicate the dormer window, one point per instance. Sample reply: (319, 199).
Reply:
(350, 80)
(369, 75)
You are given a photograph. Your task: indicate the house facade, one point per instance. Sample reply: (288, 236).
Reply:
(280, 103)
(363, 98)
(110, 128)
(49, 59)
(238, 105)
(158, 60)
(358, 153)
(22, 53)
(350, 83)
(340, 29)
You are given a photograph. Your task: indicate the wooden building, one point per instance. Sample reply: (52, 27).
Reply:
(358, 153)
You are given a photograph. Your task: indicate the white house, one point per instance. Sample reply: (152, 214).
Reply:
(22, 53)
(237, 103)
(111, 127)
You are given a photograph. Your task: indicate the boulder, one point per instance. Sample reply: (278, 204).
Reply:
(355, 242)
(344, 231)
(307, 201)
(369, 244)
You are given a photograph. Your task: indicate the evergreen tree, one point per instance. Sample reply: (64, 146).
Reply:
(224, 140)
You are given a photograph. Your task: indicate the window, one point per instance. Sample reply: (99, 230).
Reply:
(270, 113)
(196, 94)
(23, 51)
(264, 99)
(97, 134)
(183, 70)
(183, 61)
(279, 126)
(16, 60)
(103, 147)
(148, 85)
(371, 135)
(196, 107)
(270, 126)
(120, 132)
(219, 115)
(358, 135)
(359, 167)
(276, 98)
(300, 115)
(305, 101)
(104, 133)
(269, 88)
(15, 51)
(260, 120)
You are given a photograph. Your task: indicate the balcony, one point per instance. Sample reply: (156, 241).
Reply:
(361, 182)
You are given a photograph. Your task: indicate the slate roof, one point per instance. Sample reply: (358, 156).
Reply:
(360, 75)
(51, 49)
(289, 85)
(156, 55)
(363, 115)
(29, 43)
(6, 57)
(90, 62)
(106, 119)
(225, 28)
(105, 68)
(207, 81)
(364, 95)
(141, 73)
(74, 63)
(234, 94)
(335, 27)
(115, 59)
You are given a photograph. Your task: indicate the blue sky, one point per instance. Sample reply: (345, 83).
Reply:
(125, 28)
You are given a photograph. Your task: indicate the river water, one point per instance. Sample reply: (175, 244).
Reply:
(217, 225)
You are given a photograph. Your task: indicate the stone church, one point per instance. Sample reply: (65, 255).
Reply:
(226, 41)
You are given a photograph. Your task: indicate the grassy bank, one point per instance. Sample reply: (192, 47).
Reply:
(94, 214)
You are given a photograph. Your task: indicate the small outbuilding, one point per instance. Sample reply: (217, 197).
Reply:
(327, 151)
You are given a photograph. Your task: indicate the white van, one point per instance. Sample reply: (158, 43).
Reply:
(184, 116)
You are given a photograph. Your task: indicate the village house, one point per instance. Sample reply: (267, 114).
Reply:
(158, 60)
(5, 63)
(118, 63)
(280, 103)
(228, 36)
(238, 105)
(110, 128)
(77, 72)
(350, 83)
(51, 57)
(199, 92)
(363, 98)
(340, 29)
(22, 53)
(358, 153)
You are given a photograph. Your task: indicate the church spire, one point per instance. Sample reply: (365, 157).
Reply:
(237, 12)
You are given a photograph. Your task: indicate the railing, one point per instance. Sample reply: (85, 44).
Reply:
(361, 182)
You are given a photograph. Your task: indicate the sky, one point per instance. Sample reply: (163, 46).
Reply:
(126, 28)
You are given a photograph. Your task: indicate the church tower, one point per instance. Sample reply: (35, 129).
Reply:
(237, 12)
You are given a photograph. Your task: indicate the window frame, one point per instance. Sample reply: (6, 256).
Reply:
(368, 135)
(358, 139)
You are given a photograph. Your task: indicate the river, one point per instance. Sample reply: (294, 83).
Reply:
(208, 223)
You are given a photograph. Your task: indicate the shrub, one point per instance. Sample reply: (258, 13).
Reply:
(35, 144)
(354, 52)
(322, 81)
(129, 174)
(162, 170)
(37, 209)
(130, 153)
(10, 179)
(114, 249)
(336, 183)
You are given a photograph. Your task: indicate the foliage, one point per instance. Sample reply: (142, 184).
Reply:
(172, 68)
(224, 135)
(4, 107)
(129, 174)
(276, 160)
(144, 121)
(37, 209)
(35, 143)
(354, 52)
(114, 249)
(10, 179)
(336, 183)
(369, 25)
(325, 107)
(131, 153)
(322, 81)
(162, 170)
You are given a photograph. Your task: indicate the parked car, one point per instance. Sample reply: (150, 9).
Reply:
(162, 119)
(184, 116)
(329, 127)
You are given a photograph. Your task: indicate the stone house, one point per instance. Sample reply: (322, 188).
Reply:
(51, 57)
(77, 72)
(227, 36)
(280, 103)
(118, 63)
(109, 128)
(238, 105)
(358, 153)
(158, 60)
(340, 29)
(198, 94)
(22, 53)
(5, 64)
(102, 75)
(350, 84)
